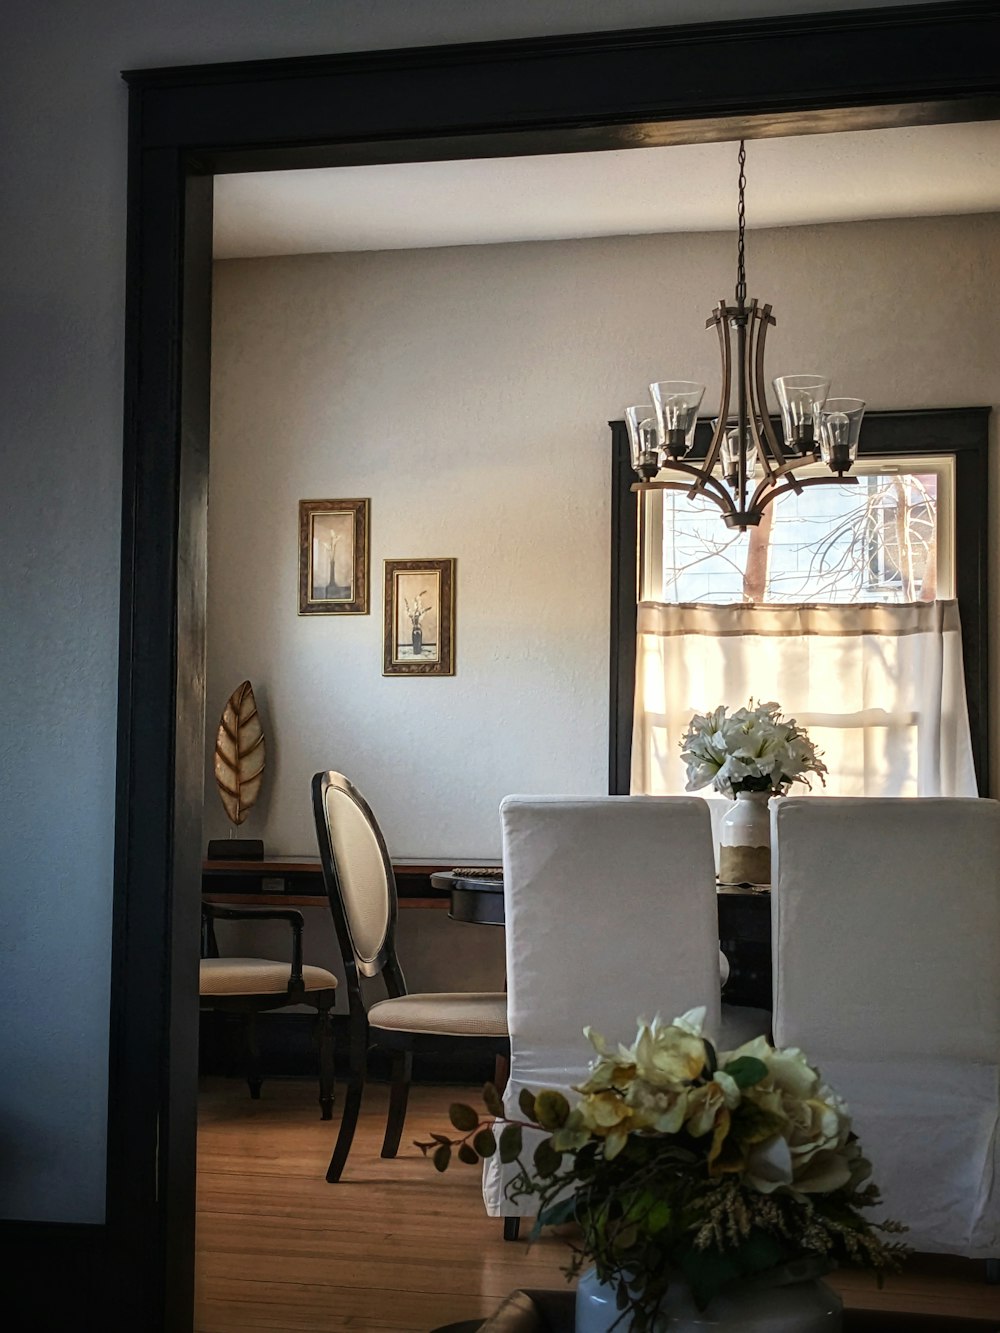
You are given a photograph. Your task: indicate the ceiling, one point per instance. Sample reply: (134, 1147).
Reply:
(918, 171)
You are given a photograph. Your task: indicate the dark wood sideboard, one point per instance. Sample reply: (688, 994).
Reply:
(297, 881)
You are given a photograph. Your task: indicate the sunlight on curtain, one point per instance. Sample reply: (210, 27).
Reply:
(879, 687)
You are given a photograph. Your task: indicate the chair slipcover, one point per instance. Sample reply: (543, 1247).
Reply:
(611, 915)
(886, 922)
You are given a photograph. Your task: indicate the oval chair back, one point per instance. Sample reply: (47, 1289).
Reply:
(361, 889)
(360, 883)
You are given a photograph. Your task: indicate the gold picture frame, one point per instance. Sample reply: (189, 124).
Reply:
(333, 557)
(419, 618)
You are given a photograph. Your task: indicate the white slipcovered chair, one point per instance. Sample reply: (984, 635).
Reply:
(611, 915)
(886, 927)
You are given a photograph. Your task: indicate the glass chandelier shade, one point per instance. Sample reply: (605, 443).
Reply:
(643, 439)
(839, 431)
(743, 443)
(676, 403)
(801, 399)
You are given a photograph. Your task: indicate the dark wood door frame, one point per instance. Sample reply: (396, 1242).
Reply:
(797, 74)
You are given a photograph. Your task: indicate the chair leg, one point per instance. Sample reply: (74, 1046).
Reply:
(511, 1228)
(402, 1068)
(352, 1099)
(993, 1271)
(252, 1049)
(501, 1072)
(327, 1071)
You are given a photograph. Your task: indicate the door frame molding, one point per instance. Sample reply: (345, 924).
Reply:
(906, 65)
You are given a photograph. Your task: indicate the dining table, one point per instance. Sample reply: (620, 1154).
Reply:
(744, 911)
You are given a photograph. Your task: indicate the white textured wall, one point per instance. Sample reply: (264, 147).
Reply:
(62, 263)
(467, 391)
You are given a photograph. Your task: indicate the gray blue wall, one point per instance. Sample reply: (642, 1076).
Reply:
(62, 258)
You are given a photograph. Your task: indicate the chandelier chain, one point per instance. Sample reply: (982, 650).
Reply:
(741, 218)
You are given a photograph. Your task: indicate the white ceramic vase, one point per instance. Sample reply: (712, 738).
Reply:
(745, 840)
(801, 1307)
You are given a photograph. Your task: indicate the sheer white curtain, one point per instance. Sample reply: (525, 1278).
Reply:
(879, 687)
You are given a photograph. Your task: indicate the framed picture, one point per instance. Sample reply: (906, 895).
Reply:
(333, 557)
(419, 618)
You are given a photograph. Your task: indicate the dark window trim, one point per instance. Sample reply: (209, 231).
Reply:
(962, 432)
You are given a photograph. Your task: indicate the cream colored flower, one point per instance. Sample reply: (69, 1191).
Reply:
(666, 1055)
(663, 1110)
(706, 1102)
(809, 1154)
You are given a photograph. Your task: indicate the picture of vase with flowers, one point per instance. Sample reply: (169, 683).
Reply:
(416, 610)
(749, 756)
(694, 1180)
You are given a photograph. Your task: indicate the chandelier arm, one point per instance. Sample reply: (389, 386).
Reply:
(786, 468)
(749, 370)
(762, 501)
(703, 480)
(718, 318)
(766, 320)
(720, 498)
(742, 431)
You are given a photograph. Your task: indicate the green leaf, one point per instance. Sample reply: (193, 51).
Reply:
(707, 1272)
(491, 1100)
(746, 1070)
(658, 1217)
(526, 1101)
(547, 1160)
(442, 1156)
(551, 1109)
(440, 1138)
(463, 1117)
(484, 1143)
(711, 1059)
(468, 1154)
(759, 1252)
(510, 1143)
(626, 1238)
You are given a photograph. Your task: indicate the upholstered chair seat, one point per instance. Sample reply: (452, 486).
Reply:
(246, 987)
(477, 1014)
(257, 976)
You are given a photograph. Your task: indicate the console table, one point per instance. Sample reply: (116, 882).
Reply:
(297, 881)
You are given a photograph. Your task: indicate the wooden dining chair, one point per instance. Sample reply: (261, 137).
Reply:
(362, 892)
(250, 986)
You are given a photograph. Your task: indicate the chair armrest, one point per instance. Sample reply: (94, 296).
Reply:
(216, 912)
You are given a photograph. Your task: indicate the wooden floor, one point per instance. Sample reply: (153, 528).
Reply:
(396, 1247)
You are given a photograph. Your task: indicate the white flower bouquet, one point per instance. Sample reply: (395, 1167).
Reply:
(680, 1163)
(755, 749)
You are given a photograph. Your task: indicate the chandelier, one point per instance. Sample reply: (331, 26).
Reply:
(815, 427)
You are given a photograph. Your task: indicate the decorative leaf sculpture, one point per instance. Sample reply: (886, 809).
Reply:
(239, 754)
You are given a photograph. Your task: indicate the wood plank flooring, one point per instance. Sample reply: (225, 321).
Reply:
(396, 1247)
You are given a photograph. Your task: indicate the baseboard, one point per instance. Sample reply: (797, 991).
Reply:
(54, 1274)
(288, 1050)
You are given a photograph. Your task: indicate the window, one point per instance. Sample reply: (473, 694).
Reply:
(914, 529)
(889, 538)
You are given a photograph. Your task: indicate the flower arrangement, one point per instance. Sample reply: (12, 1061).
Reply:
(417, 611)
(756, 749)
(679, 1162)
